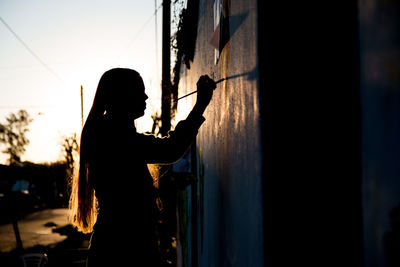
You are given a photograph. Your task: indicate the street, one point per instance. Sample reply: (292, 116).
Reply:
(35, 229)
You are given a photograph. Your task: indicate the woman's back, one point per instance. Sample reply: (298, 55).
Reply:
(125, 193)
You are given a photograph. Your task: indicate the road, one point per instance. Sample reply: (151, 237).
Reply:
(33, 230)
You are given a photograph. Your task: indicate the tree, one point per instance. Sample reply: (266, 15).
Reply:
(13, 135)
(156, 128)
(71, 149)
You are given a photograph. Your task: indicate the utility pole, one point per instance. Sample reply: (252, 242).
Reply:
(82, 104)
(166, 69)
(156, 37)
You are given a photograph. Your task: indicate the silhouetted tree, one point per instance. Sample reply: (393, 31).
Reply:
(71, 148)
(13, 135)
(155, 129)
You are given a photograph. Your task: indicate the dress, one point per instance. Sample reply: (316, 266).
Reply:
(124, 234)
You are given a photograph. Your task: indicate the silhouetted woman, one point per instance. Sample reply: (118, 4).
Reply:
(113, 195)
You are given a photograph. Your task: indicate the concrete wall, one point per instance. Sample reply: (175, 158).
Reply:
(230, 227)
(380, 91)
(310, 110)
(292, 197)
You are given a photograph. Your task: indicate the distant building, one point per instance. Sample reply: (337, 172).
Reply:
(33, 186)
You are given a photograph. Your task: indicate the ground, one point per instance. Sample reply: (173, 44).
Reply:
(48, 232)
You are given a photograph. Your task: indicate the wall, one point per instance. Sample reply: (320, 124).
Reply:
(279, 157)
(230, 228)
(380, 88)
(310, 112)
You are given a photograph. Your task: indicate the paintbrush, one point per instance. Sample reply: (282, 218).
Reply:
(220, 80)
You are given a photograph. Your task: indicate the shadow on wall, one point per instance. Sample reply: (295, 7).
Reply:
(235, 22)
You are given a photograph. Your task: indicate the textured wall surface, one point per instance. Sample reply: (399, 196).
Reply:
(380, 91)
(230, 231)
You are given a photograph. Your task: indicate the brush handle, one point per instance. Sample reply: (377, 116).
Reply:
(220, 80)
(187, 95)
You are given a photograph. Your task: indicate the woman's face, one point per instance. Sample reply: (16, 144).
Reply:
(131, 103)
(138, 105)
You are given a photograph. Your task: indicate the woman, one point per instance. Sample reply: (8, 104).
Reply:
(113, 194)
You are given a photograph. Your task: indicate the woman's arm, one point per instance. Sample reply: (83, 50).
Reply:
(172, 148)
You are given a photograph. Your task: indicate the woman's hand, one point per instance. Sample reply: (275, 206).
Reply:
(205, 88)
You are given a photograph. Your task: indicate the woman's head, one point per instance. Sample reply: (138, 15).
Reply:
(120, 92)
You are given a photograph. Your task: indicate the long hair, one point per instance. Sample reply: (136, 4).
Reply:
(83, 202)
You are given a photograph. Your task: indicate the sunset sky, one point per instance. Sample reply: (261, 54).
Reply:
(66, 44)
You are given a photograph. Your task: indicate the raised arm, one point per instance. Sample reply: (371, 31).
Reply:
(172, 148)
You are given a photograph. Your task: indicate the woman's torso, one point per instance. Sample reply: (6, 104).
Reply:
(125, 193)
